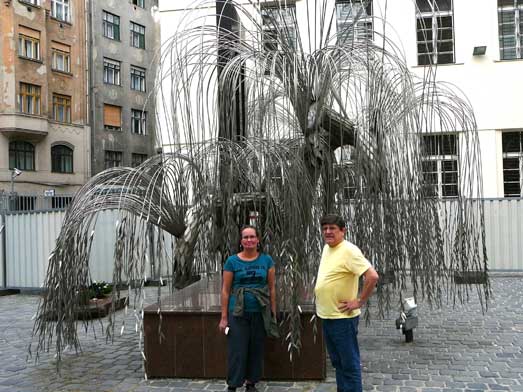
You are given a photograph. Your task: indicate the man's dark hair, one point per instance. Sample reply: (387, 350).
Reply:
(332, 219)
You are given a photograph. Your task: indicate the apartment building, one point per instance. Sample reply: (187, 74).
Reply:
(478, 53)
(124, 38)
(44, 132)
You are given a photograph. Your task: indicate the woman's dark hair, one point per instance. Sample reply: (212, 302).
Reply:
(256, 230)
(332, 219)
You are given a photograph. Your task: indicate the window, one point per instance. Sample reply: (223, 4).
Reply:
(138, 122)
(111, 71)
(137, 36)
(138, 159)
(112, 118)
(353, 20)
(113, 159)
(29, 98)
(139, 3)
(435, 32)
(512, 163)
(62, 108)
(61, 159)
(61, 57)
(60, 10)
(440, 165)
(28, 43)
(21, 155)
(510, 23)
(137, 78)
(111, 26)
(279, 26)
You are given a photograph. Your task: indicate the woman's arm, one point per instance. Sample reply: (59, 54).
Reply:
(226, 292)
(271, 281)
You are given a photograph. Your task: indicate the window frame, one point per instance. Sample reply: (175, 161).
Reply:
(278, 23)
(66, 10)
(116, 67)
(430, 37)
(513, 156)
(516, 10)
(137, 159)
(138, 3)
(114, 157)
(21, 155)
(138, 78)
(441, 158)
(34, 44)
(63, 102)
(109, 25)
(55, 53)
(137, 37)
(36, 98)
(62, 159)
(364, 28)
(139, 122)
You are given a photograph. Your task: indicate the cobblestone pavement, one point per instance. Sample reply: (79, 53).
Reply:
(454, 349)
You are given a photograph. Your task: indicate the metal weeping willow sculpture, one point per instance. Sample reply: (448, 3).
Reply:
(258, 117)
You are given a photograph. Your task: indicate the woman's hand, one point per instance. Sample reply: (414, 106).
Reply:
(223, 324)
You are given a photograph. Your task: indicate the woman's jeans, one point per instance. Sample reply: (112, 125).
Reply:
(341, 339)
(245, 346)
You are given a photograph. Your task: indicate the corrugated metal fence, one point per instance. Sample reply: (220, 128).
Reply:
(30, 237)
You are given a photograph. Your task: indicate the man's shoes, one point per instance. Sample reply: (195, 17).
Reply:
(251, 388)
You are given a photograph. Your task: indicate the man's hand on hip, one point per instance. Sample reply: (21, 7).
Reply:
(348, 306)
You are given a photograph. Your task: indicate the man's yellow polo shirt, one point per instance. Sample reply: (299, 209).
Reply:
(338, 279)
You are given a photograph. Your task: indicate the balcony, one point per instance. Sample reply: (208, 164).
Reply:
(23, 126)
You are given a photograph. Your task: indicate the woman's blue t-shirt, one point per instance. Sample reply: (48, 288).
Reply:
(250, 274)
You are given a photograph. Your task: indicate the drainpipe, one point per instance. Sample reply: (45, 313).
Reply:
(4, 250)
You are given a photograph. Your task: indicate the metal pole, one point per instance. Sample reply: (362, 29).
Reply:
(4, 250)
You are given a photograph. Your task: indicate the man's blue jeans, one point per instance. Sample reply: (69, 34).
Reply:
(341, 339)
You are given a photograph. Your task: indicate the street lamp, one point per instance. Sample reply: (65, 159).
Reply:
(15, 173)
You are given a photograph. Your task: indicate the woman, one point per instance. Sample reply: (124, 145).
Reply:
(248, 309)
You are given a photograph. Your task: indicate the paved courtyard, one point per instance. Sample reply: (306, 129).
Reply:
(454, 349)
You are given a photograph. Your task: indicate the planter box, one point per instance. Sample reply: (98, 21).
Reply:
(191, 345)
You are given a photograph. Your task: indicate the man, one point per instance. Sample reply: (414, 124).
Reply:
(337, 301)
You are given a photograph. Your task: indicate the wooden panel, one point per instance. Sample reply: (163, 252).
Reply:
(112, 115)
(215, 348)
(29, 32)
(188, 331)
(160, 356)
(277, 365)
(310, 363)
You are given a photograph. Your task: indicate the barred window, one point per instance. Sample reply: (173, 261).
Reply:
(510, 24)
(353, 20)
(111, 25)
(512, 143)
(279, 22)
(137, 78)
(61, 159)
(60, 9)
(62, 108)
(440, 165)
(435, 32)
(113, 159)
(29, 98)
(21, 155)
(137, 35)
(111, 71)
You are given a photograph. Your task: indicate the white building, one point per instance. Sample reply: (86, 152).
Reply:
(477, 52)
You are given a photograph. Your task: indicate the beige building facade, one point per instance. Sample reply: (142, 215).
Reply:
(44, 131)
